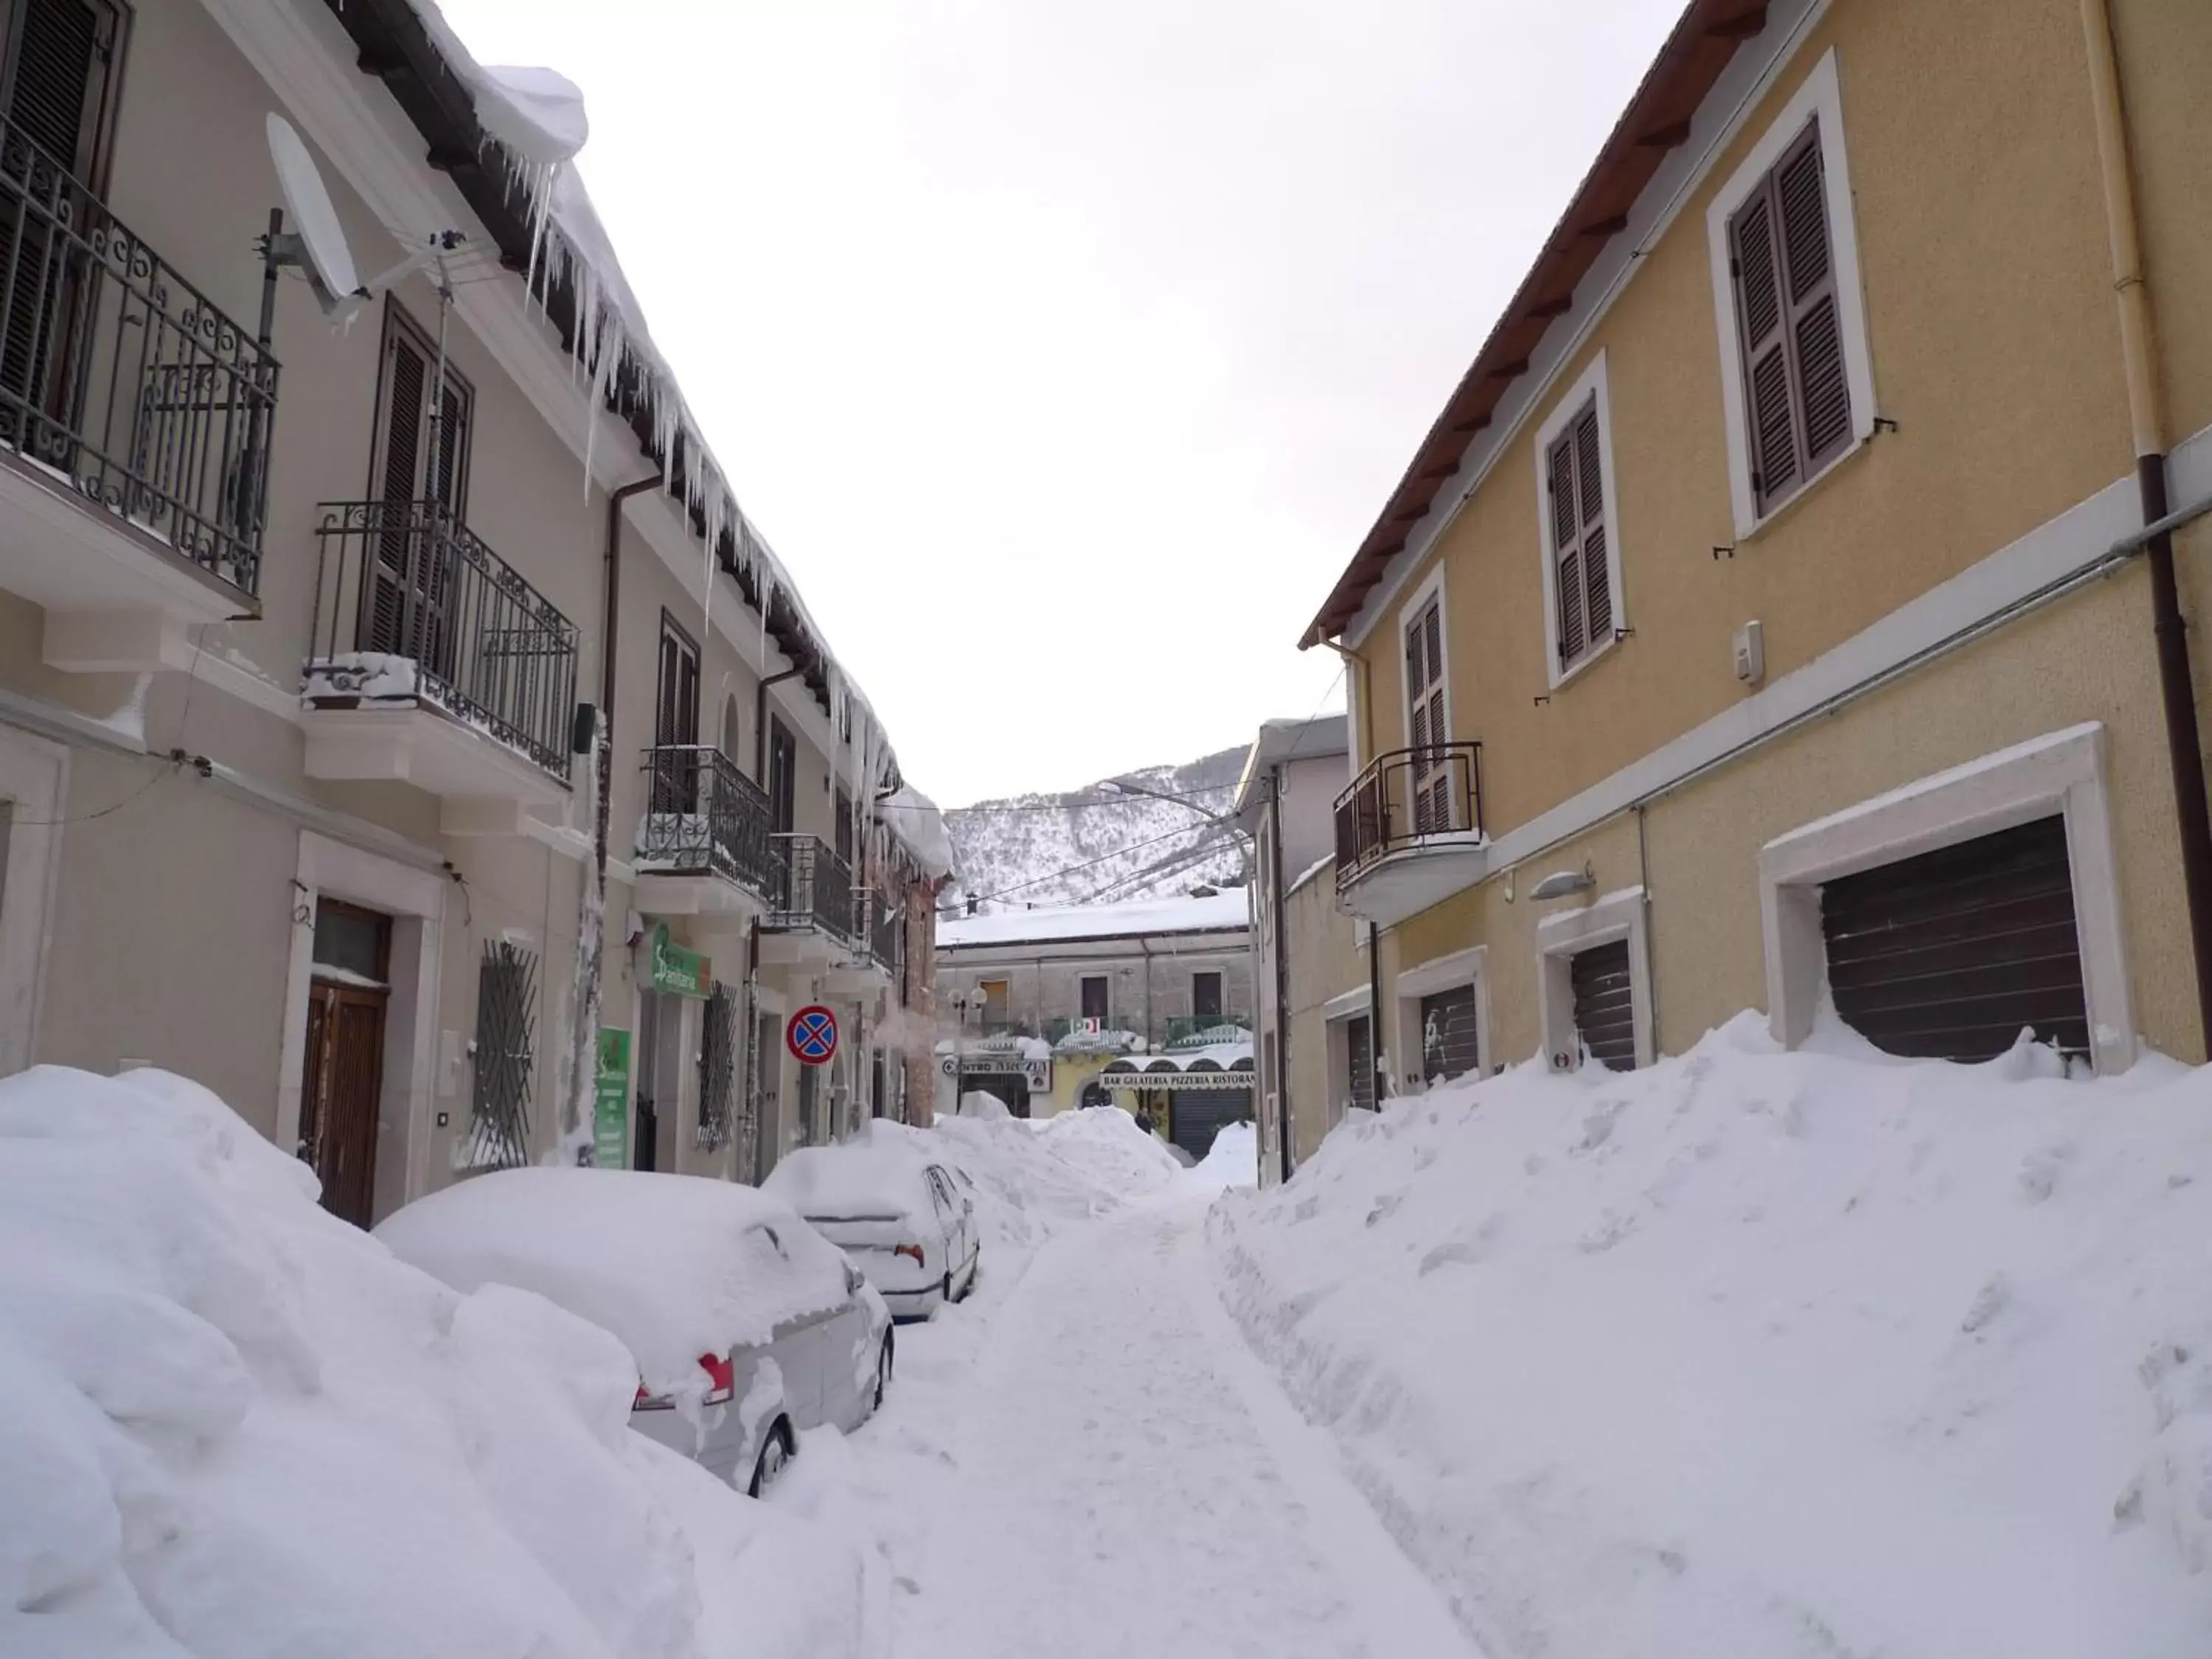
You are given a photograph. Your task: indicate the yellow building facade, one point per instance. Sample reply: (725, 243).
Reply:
(1787, 531)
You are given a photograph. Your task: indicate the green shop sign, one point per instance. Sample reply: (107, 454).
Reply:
(611, 1112)
(687, 973)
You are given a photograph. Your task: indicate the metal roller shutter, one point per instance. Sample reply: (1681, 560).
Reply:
(1949, 954)
(1196, 1115)
(1449, 1044)
(1604, 1013)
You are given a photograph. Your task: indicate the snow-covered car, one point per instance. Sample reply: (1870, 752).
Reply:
(907, 1221)
(747, 1327)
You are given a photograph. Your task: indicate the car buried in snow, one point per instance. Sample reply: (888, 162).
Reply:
(747, 1327)
(907, 1221)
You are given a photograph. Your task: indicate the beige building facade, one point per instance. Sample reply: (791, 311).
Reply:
(353, 897)
(1768, 622)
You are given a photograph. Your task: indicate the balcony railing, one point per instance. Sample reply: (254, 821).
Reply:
(882, 927)
(412, 606)
(1189, 1028)
(1060, 1030)
(814, 889)
(1403, 796)
(704, 817)
(118, 375)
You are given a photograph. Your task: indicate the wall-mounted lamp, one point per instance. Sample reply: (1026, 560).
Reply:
(1561, 883)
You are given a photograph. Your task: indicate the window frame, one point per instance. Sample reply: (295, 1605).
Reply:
(1083, 984)
(1818, 98)
(400, 326)
(1220, 993)
(1592, 388)
(1559, 940)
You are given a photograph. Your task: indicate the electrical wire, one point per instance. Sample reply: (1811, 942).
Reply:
(987, 811)
(176, 759)
(1069, 870)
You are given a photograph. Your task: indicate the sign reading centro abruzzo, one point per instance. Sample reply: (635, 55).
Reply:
(812, 1035)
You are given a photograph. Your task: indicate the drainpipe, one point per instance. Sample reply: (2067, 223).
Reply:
(2138, 356)
(760, 720)
(1377, 1061)
(1282, 972)
(592, 932)
(1355, 667)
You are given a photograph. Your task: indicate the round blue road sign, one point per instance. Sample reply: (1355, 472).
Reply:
(811, 1035)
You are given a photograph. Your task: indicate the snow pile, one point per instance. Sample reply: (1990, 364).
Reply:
(1757, 1352)
(230, 1424)
(675, 1266)
(1233, 1160)
(982, 1103)
(913, 820)
(1033, 1179)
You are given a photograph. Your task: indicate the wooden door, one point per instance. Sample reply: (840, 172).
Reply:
(339, 1095)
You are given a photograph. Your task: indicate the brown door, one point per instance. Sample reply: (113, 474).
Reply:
(338, 1096)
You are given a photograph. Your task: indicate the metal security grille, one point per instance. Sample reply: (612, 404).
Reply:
(1449, 1047)
(719, 1037)
(1605, 1016)
(1950, 954)
(507, 999)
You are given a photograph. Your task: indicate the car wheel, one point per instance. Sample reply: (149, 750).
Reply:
(883, 1372)
(776, 1455)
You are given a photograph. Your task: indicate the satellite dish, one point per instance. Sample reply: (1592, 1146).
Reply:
(317, 243)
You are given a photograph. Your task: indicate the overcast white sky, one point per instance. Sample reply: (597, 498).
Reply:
(1067, 348)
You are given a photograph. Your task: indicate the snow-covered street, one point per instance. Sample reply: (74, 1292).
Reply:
(1124, 1479)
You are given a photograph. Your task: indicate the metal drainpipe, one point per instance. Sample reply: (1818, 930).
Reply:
(1282, 972)
(760, 721)
(2138, 356)
(1377, 1061)
(585, 1050)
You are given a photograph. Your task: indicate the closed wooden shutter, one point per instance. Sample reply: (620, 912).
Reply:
(1605, 1017)
(1427, 727)
(1581, 572)
(61, 65)
(1451, 1045)
(1951, 954)
(415, 579)
(1781, 258)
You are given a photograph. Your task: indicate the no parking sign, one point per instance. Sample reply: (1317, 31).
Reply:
(811, 1037)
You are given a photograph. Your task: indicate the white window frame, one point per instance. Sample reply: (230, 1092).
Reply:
(1336, 1049)
(1559, 938)
(1819, 95)
(1593, 384)
(1431, 587)
(2063, 772)
(1445, 973)
(34, 786)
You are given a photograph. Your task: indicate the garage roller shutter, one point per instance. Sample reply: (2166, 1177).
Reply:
(1449, 1044)
(1359, 1055)
(1196, 1115)
(1949, 954)
(1605, 1016)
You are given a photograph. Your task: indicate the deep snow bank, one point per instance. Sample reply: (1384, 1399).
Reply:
(1757, 1352)
(230, 1424)
(1233, 1160)
(1033, 1178)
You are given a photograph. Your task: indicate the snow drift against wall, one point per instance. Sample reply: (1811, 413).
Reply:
(230, 1424)
(1758, 1352)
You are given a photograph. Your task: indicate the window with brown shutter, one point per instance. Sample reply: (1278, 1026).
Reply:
(1797, 405)
(1427, 728)
(1574, 479)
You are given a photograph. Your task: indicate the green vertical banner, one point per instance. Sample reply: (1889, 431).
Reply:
(611, 1112)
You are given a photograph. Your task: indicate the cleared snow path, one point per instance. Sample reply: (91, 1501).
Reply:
(1125, 1478)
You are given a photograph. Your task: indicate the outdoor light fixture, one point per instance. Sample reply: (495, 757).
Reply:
(1561, 883)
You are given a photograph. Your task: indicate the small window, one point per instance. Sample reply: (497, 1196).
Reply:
(1782, 267)
(1094, 997)
(1582, 567)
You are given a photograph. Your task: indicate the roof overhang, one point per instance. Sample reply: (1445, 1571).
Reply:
(1656, 121)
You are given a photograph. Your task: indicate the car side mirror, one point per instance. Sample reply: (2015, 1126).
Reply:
(853, 1279)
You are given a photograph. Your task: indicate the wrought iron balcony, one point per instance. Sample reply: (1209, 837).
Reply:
(704, 816)
(881, 924)
(1402, 797)
(119, 378)
(411, 607)
(814, 890)
(1189, 1027)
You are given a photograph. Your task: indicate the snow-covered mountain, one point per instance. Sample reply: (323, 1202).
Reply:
(1097, 842)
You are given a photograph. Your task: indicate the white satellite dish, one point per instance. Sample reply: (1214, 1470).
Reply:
(318, 242)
